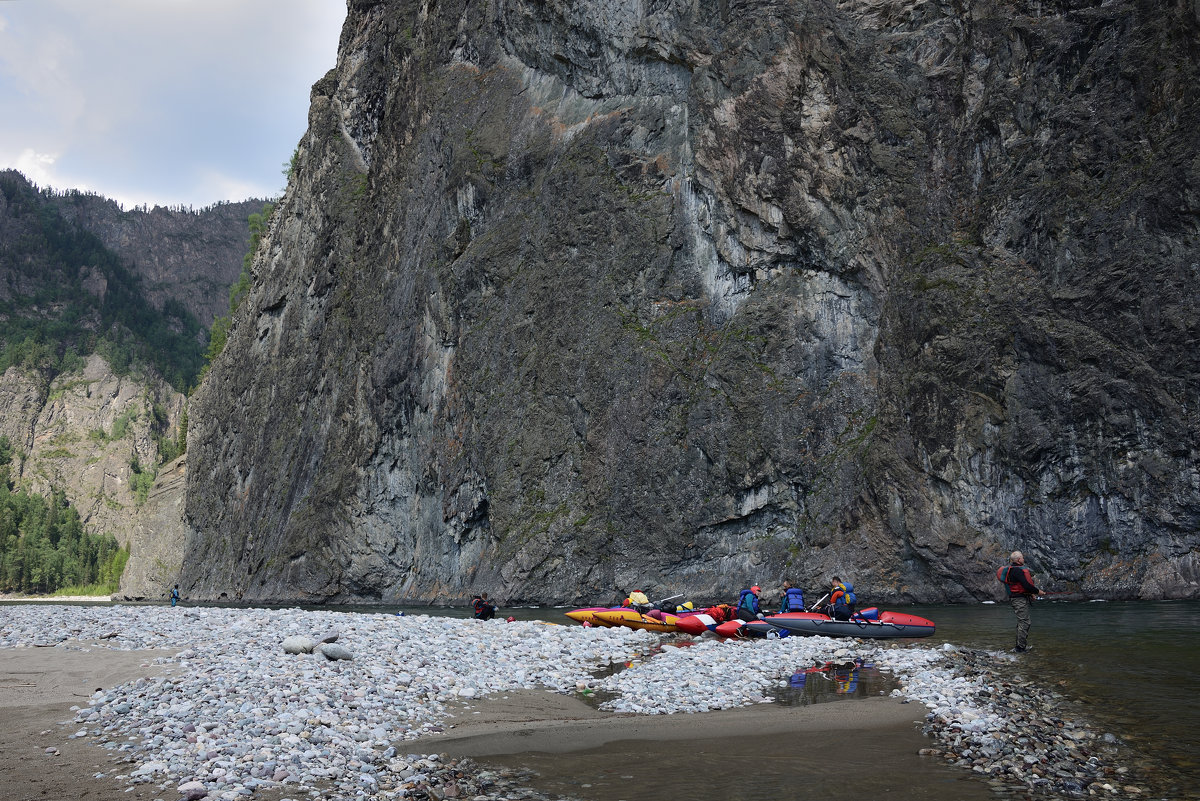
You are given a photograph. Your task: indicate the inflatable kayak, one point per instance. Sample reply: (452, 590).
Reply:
(887, 625)
(696, 624)
(747, 628)
(588, 615)
(633, 619)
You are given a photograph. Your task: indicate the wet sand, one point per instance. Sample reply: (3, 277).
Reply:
(855, 747)
(38, 686)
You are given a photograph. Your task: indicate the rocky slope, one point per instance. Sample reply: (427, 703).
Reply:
(568, 298)
(89, 433)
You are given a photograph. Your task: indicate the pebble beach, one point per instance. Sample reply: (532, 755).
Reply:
(231, 713)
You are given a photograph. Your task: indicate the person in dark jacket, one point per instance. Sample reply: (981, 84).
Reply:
(1021, 591)
(793, 599)
(482, 608)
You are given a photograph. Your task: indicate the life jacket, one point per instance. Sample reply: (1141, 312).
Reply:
(748, 601)
(793, 600)
(720, 612)
(477, 604)
(843, 593)
(1004, 575)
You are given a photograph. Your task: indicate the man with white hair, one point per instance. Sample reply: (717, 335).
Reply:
(1021, 590)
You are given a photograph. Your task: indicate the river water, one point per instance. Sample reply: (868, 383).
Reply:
(1135, 667)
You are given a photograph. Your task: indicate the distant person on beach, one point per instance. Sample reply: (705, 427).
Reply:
(1021, 591)
(748, 605)
(793, 598)
(483, 609)
(175, 595)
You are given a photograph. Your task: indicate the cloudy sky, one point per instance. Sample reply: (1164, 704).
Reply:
(169, 102)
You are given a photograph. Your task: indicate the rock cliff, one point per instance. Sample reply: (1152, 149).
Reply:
(569, 298)
(90, 434)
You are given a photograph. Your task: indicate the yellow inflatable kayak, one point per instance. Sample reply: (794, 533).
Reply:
(633, 619)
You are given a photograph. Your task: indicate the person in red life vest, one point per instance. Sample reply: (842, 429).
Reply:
(748, 606)
(482, 609)
(1021, 591)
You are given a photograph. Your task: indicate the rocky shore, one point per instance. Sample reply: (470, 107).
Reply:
(231, 715)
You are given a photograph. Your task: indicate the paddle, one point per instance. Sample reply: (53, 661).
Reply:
(672, 598)
(813, 608)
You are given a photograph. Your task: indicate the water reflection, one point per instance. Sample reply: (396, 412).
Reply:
(833, 681)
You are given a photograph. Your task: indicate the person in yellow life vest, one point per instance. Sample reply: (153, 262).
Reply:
(638, 600)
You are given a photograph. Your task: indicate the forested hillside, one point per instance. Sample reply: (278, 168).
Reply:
(100, 341)
(64, 295)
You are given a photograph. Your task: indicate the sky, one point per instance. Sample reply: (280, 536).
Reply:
(160, 102)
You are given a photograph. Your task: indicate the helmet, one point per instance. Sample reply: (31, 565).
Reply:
(756, 588)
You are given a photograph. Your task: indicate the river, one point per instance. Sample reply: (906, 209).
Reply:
(1135, 666)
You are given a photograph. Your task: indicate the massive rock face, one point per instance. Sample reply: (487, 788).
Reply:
(567, 298)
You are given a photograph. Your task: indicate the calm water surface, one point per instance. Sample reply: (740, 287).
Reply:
(1134, 666)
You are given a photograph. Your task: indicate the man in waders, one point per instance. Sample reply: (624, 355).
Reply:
(1021, 591)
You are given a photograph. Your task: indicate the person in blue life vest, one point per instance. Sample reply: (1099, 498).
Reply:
(482, 608)
(1021, 591)
(748, 605)
(793, 598)
(175, 595)
(842, 600)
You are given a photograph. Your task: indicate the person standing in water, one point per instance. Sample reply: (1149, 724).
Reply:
(1021, 591)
